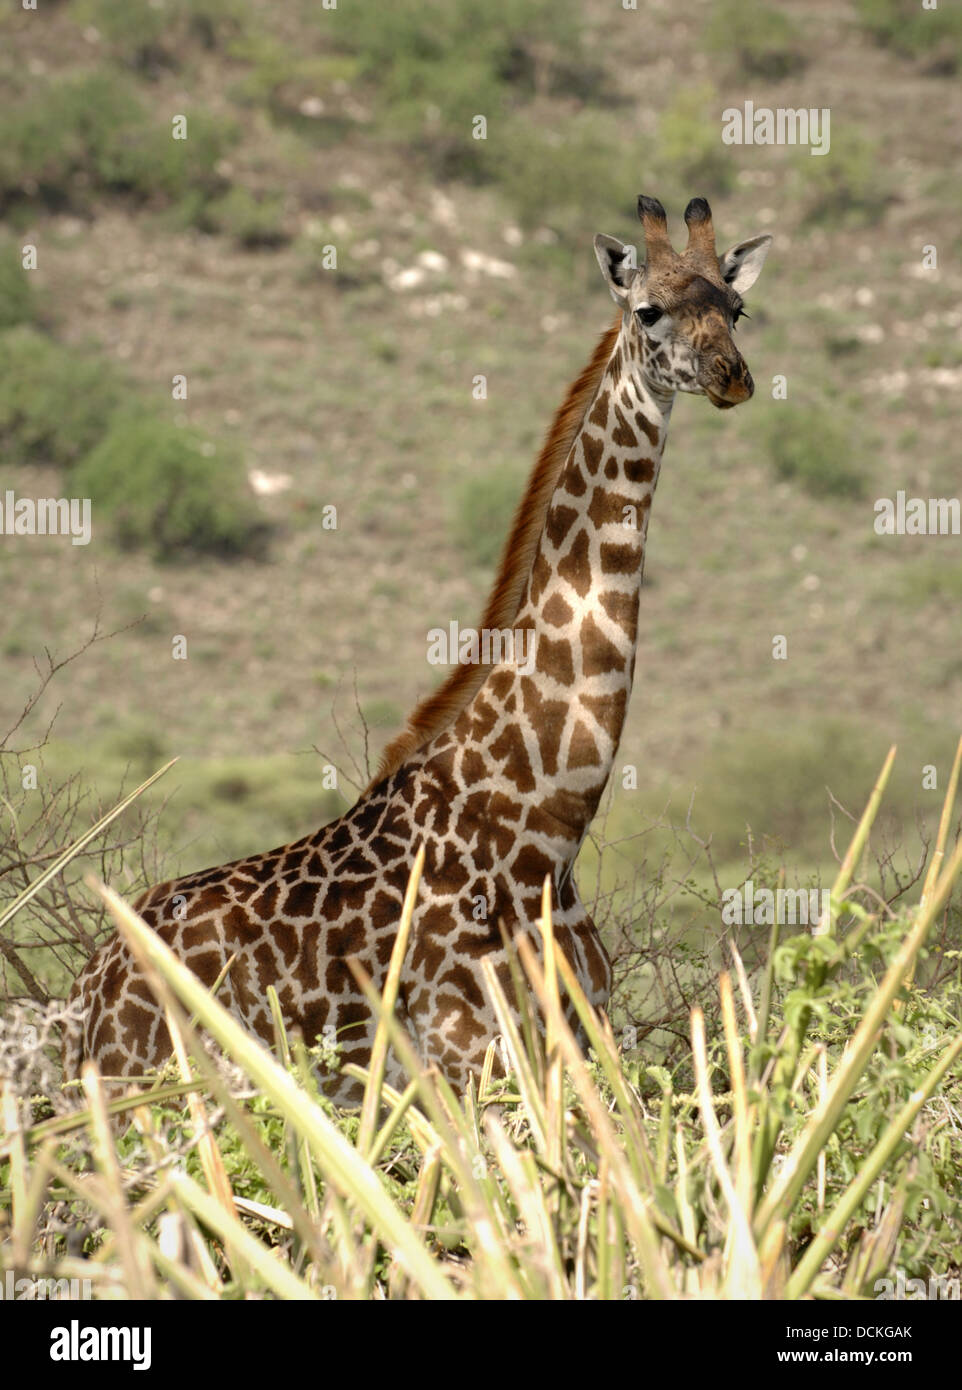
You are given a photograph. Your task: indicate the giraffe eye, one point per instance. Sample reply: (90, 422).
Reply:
(738, 314)
(649, 316)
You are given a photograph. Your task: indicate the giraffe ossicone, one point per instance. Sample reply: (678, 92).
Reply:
(499, 772)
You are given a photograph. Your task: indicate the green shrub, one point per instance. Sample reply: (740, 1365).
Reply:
(848, 186)
(933, 577)
(165, 487)
(764, 42)
(914, 32)
(484, 508)
(690, 155)
(251, 220)
(280, 78)
(55, 402)
(432, 66)
(421, 50)
(148, 37)
(776, 780)
(552, 180)
(66, 141)
(18, 299)
(814, 447)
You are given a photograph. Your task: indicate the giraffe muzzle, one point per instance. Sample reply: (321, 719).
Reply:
(730, 387)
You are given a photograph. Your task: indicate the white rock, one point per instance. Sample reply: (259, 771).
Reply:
(267, 484)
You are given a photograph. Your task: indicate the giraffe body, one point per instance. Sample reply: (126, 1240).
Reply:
(500, 772)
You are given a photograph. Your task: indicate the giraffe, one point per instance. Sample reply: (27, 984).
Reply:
(500, 771)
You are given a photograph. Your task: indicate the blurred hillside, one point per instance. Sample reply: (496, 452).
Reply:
(310, 386)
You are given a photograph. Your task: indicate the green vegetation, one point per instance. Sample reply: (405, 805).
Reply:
(168, 488)
(849, 186)
(690, 153)
(56, 402)
(309, 127)
(929, 578)
(163, 487)
(933, 34)
(784, 800)
(18, 299)
(485, 504)
(809, 1123)
(251, 220)
(424, 53)
(151, 37)
(65, 141)
(816, 446)
(764, 42)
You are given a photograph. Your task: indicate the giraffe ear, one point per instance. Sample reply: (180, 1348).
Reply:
(618, 265)
(741, 266)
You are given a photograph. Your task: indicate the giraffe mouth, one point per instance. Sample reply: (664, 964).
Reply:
(719, 402)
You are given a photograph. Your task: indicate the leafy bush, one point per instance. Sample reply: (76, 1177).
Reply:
(431, 66)
(66, 140)
(765, 42)
(56, 402)
(151, 36)
(815, 447)
(926, 579)
(251, 220)
(690, 155)
(800, 1148)
(425, 51)
(167, 488)
(281, 78)
(164, 487)
(484, 507)
(550, 180)
(903, 25)
(777, 780)
(18, 299)
(848, 186)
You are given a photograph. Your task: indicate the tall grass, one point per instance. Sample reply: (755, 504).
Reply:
(804, 1159)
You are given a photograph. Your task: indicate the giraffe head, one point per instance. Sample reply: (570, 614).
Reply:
(680, 310)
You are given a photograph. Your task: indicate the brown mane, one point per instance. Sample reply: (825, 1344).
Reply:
(436, 711)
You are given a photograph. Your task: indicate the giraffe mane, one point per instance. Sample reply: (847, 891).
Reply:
(440, 709)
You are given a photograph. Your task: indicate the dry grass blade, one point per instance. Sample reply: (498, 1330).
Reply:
(137, 1277)
(344, 1167)
(268, 1270)
(804, 1153)
(736, 1064)
(61, 862)
(854, 851)
(543, 1264)
(518, 1057)
(14, 1149)
(372, 1093)
(554, 1080)
(743, 1272)
(634, 1205)
(601, 1042)
(832, 1226)
(211, 1161)
(938, 853)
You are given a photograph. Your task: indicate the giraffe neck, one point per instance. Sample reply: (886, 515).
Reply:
(547, 730)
